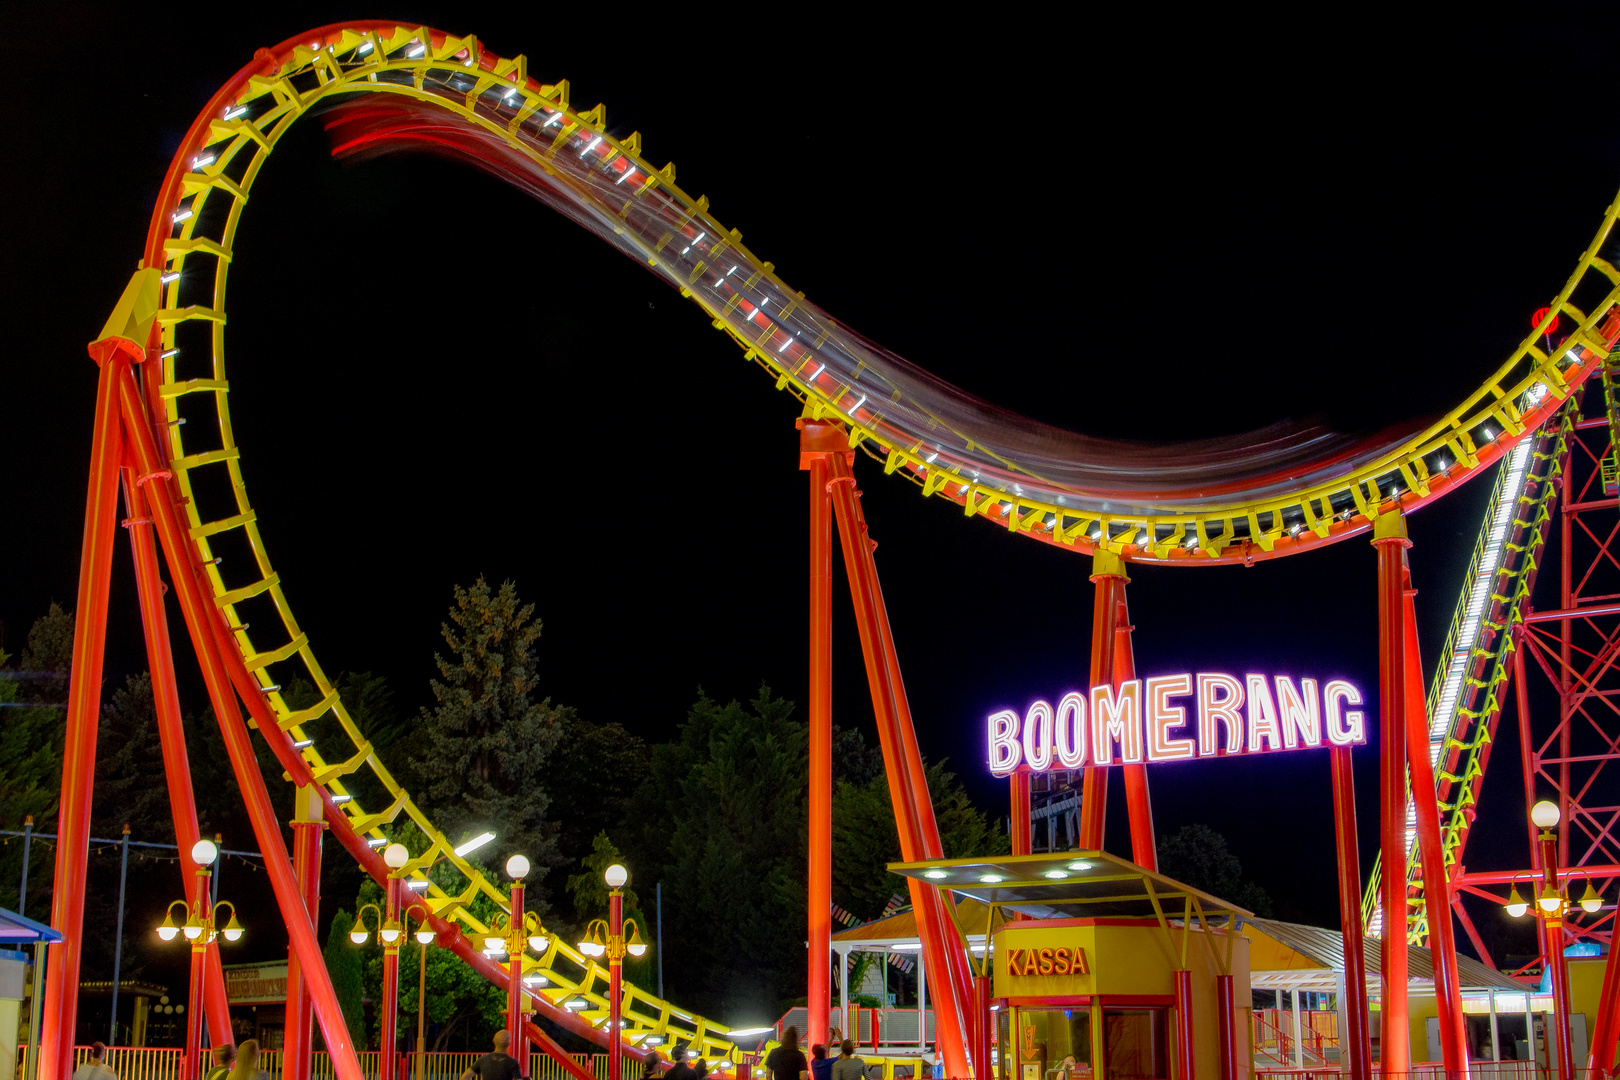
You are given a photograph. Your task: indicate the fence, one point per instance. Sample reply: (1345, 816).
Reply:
(868, 1027)
(163, 1063)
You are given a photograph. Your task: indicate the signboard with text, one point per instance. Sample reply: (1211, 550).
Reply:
(1184, 717)
(256, 984)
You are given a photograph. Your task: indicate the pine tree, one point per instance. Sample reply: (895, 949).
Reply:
(344, 963)
(486, 743)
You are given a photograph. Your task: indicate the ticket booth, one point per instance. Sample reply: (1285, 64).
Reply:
(1106, 971)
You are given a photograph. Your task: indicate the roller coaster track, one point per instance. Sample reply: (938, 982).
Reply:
(1190, 505)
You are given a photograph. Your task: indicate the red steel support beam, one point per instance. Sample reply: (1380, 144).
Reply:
(1390, 543)
(388, 1014)
(1527, 755)
(943, 950)
(1018, 831)
(201, 617)
(1356, 1041)
(1552, 925)
(297, 1040)
(1184, 1026)
(1138, 807)
(814, 440)
(514, 974)
(1436, 887)
(149, 588)
(1226, 1026)
(61, 1007)
(1108, 578)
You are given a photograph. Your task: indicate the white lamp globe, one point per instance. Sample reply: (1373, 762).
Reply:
(204, 852)
(517, 867)
(616, 876)
(1545, 814)
(396, 855)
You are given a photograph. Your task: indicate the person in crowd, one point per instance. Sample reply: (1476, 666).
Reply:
(701, 1069)
(246, 1066)
(820, 1064)
(224, 1057)
(649, 1067)
(95, 1067)
(848, 1066)
(680, 1070)
(497, 1064)
(787, 1061)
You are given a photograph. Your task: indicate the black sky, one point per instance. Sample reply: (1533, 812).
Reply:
(1152, 227)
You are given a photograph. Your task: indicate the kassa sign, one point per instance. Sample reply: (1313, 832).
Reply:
(1177, 718)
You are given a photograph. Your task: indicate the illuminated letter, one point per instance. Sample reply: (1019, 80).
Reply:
(1071, 728)
(1004, 748)
(1038, 737)
(1301, 718)
(1343, 728)
(1060, 961)
(1162, 717)
(1220, 698)
(1262, 716)
(1117, 717)
(1078, 965)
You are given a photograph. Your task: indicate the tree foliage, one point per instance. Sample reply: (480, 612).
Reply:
(593, 770)
(1196, 855)
(487, 744)
(343, 965)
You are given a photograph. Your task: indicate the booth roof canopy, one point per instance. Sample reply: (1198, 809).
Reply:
(901, 927)
(19, 929)
(1070, 884)
(1279, 950)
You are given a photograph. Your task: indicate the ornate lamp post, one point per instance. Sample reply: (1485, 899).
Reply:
(391, 933)
(424, 938)
(200, 928)
(613, 944)
(509, 934)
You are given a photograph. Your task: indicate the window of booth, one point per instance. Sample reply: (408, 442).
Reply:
(1135, 1044)
(1052, 1043)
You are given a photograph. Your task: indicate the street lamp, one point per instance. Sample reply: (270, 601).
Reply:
(512, 943)
(424, 938)
(200, 929)
(391, 934)
(1551, 904)
(609, 938)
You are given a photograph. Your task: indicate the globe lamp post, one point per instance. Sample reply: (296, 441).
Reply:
(609, 939)
(424, 938)
(1550, 908)
(201, 927)
(517, 868)
(391, 934)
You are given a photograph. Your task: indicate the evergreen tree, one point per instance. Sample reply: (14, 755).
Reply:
(343, 965)
(1196, 855)
(487, 743)
(593, 770)
(590, 894)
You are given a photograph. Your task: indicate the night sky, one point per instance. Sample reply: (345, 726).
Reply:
(1146, 228)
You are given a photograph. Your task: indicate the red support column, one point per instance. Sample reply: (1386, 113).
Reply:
(202, 908)
(388, 1014)
(1018, 811)
(1184, 1026)
(149, 588)
(1436, 883)
(1226, 1023)
(814, 442)
(307, 826)
(1138, 808)
(1356, 1040)
(1109, 578)
(984, 992)
(514, 975)
(1552, 925)
(202, 623)
(615, 982)
(61, 1009)
(1390, 542)
(919, 833)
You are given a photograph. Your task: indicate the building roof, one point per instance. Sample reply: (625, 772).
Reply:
(901, 927)
(1067, 884)
(1293, 956)
(15, 928)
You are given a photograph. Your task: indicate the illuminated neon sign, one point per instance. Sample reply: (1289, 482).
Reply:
(1177, 718)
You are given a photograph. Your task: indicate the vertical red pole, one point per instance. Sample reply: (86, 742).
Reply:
(298, 1038)
(1527, 753)
(914, 816)
(1184, 1025)
(1390, 542)
(60, 1015)
(1552, 923)
(1436, 882)
(1138, 808)
(201, 910)
(202, 623)
(615, 981)
(514, 985)
(818, 986)
(1226, 1023)
(1357, 1039)
(1605, 1032)
(388, 1015)
(984, 992)
(1108, 578)
(171, 734)
(1018, 811)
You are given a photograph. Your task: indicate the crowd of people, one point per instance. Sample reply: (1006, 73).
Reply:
(786, 1062)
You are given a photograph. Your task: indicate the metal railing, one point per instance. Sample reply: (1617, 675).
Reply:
(164, 1063)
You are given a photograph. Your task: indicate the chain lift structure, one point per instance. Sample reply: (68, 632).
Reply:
(163, 440)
